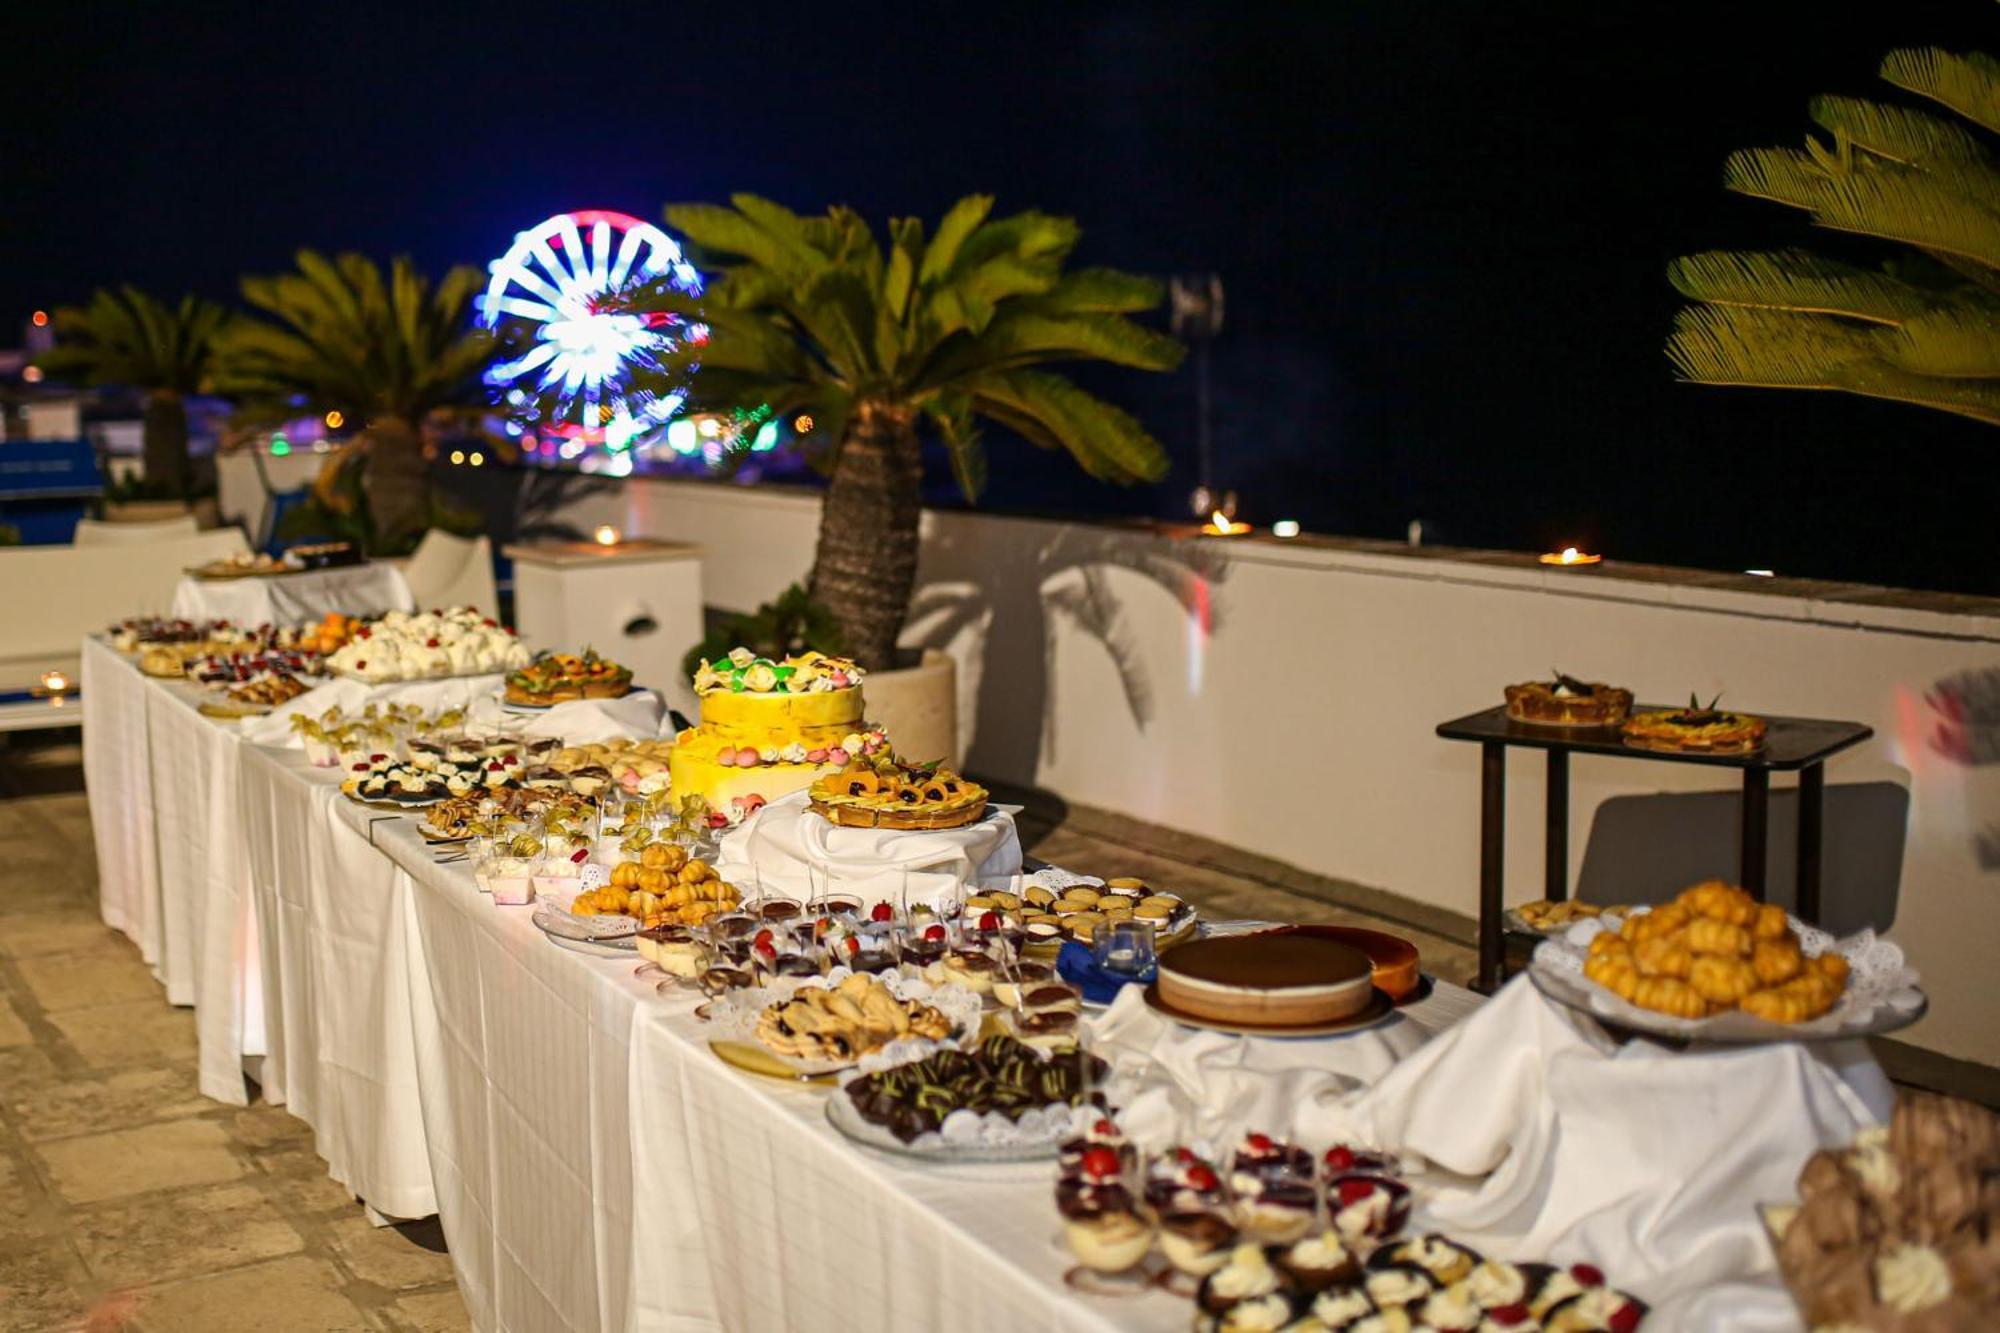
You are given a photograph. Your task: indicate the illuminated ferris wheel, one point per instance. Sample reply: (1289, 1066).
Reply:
(553, 288)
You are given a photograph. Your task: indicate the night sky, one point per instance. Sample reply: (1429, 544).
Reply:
(1442, 224)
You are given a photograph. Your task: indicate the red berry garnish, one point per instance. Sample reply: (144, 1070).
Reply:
(764, 936)
(1588, 1274)
(853, 945)
(1101, 1162)
(764, 948)
(1105, 1128)
(360, 666)
(989, 921)
(1509, 1315)
(430, 643)
(1624, 1319)
(364, 634)
(934, 933)
(1258, 1142)
(1186, 1156)
(1202, 1178)
(1339, 1158)
(881, 912)
(1354, 1190)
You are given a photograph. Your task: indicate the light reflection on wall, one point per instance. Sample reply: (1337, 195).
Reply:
(1200, 622)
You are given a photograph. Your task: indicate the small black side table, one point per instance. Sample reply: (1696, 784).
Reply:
(1800, 744)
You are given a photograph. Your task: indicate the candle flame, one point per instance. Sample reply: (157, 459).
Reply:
(607, 535)
(55, 682)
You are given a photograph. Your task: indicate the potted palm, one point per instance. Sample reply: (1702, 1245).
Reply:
(133, 340)
(393, 352)
(936, 332)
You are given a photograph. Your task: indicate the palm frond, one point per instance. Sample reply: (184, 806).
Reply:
(1962, 343)
(952, 414)
(1914, 138)
(1049, 410)
(132, 338)
(1968, 84)
(1745, 346)
(1796, 280)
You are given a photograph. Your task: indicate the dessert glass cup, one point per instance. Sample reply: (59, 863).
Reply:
(1126, 948)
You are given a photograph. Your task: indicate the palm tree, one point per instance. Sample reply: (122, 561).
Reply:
(135, 340)
(394, 353)
(1924, 326)
(811, 315)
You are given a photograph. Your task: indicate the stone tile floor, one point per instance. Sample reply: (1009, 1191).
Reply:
(129, 1201)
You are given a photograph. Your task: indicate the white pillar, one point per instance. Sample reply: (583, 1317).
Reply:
(637, 602)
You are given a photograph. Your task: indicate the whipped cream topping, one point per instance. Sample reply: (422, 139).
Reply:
(1453, 1308)
(1494, 1284)
(1319, 1252)
(1397, 1286)
(1247, 1274)
(1910, 1278)
(1261, 1314)
(1337, 1307)
(1364, 1214)
(1433, 1253)
(1395, 1319)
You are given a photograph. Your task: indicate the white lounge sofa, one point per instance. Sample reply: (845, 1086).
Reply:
(51, 596)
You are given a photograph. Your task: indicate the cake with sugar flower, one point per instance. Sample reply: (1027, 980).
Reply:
(769, 728)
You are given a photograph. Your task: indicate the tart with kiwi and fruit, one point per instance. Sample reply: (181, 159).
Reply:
(1565, 701)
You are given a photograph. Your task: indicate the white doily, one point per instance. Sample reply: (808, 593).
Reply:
(969, 1136)
(734, 1018)
(1882, 989)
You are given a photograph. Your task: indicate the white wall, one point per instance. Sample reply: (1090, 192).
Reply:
(1287, 696)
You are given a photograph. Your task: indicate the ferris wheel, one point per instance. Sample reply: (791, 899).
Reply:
(553, 286)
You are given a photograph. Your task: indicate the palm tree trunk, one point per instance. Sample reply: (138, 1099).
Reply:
(396, 478)
(164, 441)
(867, 560)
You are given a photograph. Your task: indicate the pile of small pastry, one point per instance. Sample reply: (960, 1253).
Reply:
(1048, 916)
(663, 887)
(1898, 1230)
(639, 766)
(846, 1021)
(1712, 949)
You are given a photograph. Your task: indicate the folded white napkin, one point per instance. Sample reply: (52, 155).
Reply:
(1181, 1085)
(775, 847)
(635, 716)
(1647, 1162)
(351, 696)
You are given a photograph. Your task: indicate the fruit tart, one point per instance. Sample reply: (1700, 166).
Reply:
(1695, 730)
(891, 794)
(1565, 701)
(560, 677)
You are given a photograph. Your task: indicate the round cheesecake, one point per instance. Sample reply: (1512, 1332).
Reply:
(1278, 980)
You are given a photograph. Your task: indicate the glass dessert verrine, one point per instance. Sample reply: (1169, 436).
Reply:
(1273, 1190)
(1103, 1225)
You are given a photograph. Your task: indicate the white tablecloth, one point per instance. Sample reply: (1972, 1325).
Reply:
(118, 774)
(293, 599)
(596, 1167)
(784, 845)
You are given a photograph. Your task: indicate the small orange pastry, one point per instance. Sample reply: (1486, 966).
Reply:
(1664, 956)
(1615, 973)
(1794, 1002)
(1708, 935)
(1660, 921)
(1604, 942)
(1722, 981)
(1666, 995)
(1720, 901)
(1770, 923)
(1776, 961)
(1832, 966)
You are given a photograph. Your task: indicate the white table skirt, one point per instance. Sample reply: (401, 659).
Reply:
(118, 774)
(294, 599)
(331, 917)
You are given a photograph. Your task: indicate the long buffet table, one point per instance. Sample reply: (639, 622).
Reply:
(594, 1165)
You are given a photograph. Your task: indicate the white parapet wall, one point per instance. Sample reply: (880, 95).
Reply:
(1283, 696)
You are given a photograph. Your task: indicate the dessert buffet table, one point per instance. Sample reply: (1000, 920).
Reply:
(596, 1166)
(294, 599)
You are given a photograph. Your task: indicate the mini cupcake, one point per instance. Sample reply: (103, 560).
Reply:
(1398, 1284)
(1445, 1260)
(1317, 1261)
(1452, 1310)
(1246, 1275)
(1595, 1310)
(1341, 1306)
(1393, 1319)
(1549, 1287)
(1259, 1314)
(1496, 1285)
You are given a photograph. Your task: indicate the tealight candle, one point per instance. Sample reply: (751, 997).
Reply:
(55, 682)
(1221, 525)
(1569, 555)
(607, 535)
